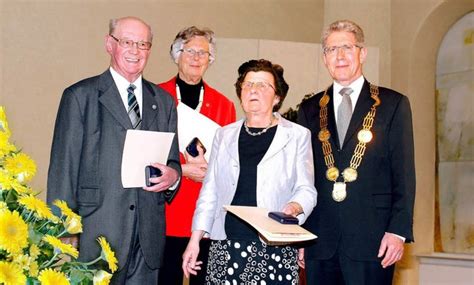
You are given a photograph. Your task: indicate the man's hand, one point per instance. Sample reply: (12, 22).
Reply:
(392, 247)
(72, 240)
(168, 177)
(195, 167)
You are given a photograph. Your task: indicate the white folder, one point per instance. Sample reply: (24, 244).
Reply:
(192, 124)
(143, 148)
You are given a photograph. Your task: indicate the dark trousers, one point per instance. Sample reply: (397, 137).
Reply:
(341, 270)
(171, 272)
(135, 271)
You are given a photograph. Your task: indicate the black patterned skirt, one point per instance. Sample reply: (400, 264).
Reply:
(235, 262)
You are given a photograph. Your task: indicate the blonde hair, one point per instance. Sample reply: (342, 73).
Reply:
(343, 26)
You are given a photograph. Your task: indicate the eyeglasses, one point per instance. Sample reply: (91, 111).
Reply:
(260, 85)
(335, 49)
(192, 53)
(125, 43)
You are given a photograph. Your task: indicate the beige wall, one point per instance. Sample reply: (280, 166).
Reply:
(47, 45)
(372, 16)
(417, 32)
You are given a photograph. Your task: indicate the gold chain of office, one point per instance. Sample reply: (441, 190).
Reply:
(364, 136)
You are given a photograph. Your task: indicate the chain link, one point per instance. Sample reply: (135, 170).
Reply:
(359, 150)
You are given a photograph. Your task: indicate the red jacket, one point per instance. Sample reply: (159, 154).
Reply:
(179, 213)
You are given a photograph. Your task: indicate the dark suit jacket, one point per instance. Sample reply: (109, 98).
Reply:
(85, 167)
(382, 198)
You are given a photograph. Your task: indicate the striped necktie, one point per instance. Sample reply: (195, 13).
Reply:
(133, 109)
(344, 113)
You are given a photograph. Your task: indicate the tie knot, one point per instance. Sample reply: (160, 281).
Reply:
(131, 87)
(346, 91)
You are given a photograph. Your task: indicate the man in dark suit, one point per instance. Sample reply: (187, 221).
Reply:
(85, 168)
(364, 169)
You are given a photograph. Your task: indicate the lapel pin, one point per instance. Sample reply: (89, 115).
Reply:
(153, 107)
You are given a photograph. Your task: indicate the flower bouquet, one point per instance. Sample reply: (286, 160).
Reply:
(31, 248)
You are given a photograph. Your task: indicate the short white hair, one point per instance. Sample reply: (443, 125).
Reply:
(186, 34)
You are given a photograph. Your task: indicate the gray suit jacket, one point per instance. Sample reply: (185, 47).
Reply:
(85, 167)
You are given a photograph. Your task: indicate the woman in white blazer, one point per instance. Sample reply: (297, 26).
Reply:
(262, 160)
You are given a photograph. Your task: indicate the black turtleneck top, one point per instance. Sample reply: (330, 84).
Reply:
(251, 151)
(189, 93)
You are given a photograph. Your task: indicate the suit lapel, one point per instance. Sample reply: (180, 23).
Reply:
(149, 106)
(332, 119)
(360, 111)
(109, 96)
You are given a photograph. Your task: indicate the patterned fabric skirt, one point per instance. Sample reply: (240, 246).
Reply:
(236, 262)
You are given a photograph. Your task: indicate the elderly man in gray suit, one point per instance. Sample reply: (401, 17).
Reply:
(85, 167)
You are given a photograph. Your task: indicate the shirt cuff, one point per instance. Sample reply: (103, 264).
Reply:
(400, 237)
(175, 185)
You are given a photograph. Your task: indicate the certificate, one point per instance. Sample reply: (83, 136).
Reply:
(193, 124)
(272, 231)
(143, 148)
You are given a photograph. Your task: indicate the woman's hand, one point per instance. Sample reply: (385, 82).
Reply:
(190, 263)
(301, 257)
(293, 209)
(195, 167)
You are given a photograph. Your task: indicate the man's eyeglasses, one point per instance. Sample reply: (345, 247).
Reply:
(260, 85)
(125, 43)
(335, 49)
(192, 53)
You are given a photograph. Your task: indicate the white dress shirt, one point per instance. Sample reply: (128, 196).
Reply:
(122, 86)
(356, 86)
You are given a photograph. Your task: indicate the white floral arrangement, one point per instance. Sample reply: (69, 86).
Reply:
(31, 248)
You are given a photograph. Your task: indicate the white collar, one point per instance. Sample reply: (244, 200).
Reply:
(122, 86)
(356, 85)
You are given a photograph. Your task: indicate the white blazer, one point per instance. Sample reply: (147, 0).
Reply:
(285, 174)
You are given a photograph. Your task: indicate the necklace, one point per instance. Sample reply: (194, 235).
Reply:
(364, 136)
(260, 132)
(201, 97)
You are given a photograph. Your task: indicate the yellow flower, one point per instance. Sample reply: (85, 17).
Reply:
(11, 274)
(13, 232)
(60, 246)
(22, 260)
(34, 269)
(65, 210)
(34, 251)
(102, 277)
(20, 188)
(3, 206)
(5, 146)
(73, 221)
(108, 254)
(21, 165)
(3, 121)
(6, 180)
(74, 224)
(55, 219)
(51, 277)
(36, 205)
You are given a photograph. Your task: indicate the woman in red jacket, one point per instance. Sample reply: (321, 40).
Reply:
(193, 51)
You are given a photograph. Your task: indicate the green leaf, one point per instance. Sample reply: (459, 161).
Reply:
(35, 237)
(76, 276)
(32, 281)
